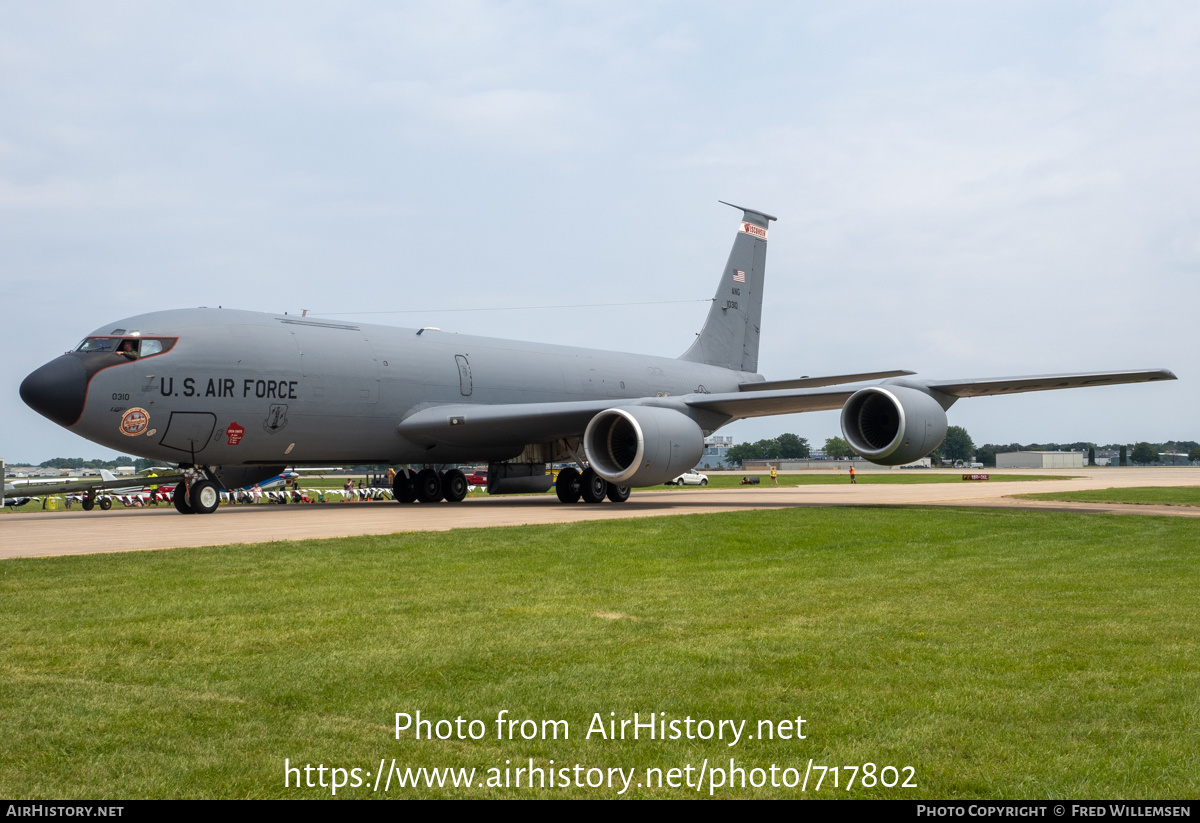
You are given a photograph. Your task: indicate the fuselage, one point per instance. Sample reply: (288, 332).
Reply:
(227, 387)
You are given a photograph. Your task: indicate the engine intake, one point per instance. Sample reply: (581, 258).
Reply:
(642, 445)
(892, 425)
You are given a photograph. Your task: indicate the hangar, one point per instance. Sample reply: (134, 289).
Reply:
(1039, 460)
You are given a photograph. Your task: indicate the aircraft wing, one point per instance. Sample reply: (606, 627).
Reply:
(763, 403)
(466, 425)
(1044, 382)
(50, 489)
(817, 382)
(792, 401)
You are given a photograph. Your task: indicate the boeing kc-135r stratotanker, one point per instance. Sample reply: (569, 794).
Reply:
(233, 397)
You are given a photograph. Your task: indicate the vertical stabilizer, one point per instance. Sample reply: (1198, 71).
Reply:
(730, 334)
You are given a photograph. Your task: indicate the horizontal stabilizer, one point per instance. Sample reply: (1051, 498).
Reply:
(817, 382)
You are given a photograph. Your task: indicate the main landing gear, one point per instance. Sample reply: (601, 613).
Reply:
(573, 486)
(430, 486)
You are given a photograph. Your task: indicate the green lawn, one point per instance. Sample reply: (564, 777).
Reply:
(1147, 495)
(1000, 654)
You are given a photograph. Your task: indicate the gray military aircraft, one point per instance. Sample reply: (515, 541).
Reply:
(233, 397)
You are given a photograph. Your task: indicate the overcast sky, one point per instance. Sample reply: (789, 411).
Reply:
(965, 190)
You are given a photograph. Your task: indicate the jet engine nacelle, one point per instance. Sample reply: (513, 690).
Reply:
(892, 425)
(642, 445)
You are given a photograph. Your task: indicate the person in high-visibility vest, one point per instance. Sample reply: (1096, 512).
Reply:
(774, 479)
(852, 480)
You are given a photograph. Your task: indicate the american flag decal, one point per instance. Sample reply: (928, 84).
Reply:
(739, 276)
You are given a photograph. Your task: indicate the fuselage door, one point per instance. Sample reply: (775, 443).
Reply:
(189, 431)
(464, 375)
(338, 363)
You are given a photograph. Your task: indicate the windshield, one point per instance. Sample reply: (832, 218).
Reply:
(131, 347)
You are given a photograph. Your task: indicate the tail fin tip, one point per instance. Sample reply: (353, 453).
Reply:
(767, 217)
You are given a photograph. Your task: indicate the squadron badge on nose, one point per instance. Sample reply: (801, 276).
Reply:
(134, 422)
(276, 419)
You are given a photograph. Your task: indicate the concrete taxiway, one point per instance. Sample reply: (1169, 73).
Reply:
(42, 534)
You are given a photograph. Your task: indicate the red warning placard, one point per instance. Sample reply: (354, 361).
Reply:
(235, 433)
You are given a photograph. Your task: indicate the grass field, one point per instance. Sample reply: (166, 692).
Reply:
(999, 654)
(1146, 495)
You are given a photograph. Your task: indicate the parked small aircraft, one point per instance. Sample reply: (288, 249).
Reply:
(233, 397)
(91, 491)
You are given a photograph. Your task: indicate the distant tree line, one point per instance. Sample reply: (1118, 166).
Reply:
(138, 463)
(959, 446)
(784, 447)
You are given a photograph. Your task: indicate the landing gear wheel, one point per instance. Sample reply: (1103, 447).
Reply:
(403, 489)
(88, 503)
(204, 497)
(180, 498)
(618, 494)
(105, 503)
(567, 486)
(429, 486)
(454, 483)
(593, 486)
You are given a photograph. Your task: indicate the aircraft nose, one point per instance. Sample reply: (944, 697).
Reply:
(57, 390)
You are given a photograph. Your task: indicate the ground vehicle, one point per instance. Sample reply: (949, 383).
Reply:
(478, 477)
(689, 479)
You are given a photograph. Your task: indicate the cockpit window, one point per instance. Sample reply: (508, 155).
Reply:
(131, 347)
(97, 344)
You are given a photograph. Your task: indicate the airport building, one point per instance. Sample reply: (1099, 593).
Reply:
(788, 465)
(715, 449)
(1040, 460)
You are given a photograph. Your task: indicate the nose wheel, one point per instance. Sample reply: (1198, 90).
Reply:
(204, 497)
(180, 498)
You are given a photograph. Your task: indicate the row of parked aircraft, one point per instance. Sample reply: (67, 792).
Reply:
(232, 397)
